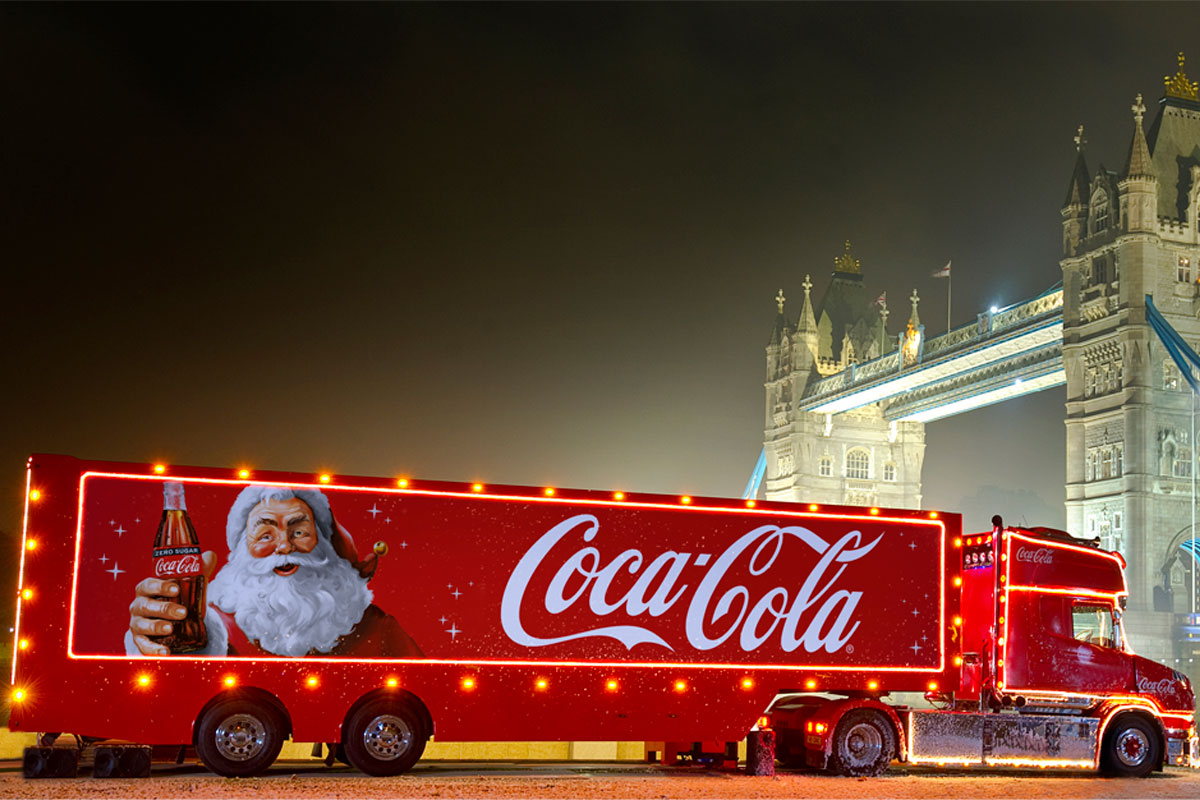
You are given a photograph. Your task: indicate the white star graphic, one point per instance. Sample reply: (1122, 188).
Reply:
(120, 529)
(115, 570)
(456, 593)
(103, 558)
(442, 619)
(453, 631)
(916, 648)
(388, 520)
(915, 612)
(403, 545)
(374, 511)
(912, 545)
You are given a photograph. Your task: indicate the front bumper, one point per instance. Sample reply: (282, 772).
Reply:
(1184, 751)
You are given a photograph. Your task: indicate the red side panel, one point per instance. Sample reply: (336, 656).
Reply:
(576, 614)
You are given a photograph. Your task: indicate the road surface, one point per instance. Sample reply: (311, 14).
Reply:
(600, 781)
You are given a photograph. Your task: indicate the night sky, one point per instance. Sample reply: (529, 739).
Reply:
(526, 243)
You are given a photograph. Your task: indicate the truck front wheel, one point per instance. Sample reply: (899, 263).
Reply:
(1131, 748)
(239, 737)
(864, 743)
(384, 736)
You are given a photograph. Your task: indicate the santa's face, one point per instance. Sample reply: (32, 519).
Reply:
(281, 527)
(287, 587)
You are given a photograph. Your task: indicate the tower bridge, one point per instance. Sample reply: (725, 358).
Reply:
(847, 399)
(1006, 353)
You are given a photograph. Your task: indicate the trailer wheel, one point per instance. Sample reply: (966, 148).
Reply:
(239, 737)
(384, 736)
(1131, 748)
(864, 744)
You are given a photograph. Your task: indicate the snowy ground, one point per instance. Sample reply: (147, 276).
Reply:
(602, 781)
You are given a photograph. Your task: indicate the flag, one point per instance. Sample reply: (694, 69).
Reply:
(944, 272)
(881, 300)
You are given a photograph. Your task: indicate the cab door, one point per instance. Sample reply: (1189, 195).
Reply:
(1071, 644)
(1096, 648)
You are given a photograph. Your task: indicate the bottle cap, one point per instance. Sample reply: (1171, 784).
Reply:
(173, 496)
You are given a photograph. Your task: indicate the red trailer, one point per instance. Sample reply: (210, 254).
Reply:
(224, 610)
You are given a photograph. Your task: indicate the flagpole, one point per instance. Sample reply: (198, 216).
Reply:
(949, 290)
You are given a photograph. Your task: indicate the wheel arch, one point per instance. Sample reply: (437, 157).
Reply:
(246, 693)
(831, 713)
(394, 693)
(1140, 712)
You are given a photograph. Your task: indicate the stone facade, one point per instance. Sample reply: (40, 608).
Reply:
(1130, 430)
(855, 458)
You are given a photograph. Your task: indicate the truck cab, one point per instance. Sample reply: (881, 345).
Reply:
(1048, 677)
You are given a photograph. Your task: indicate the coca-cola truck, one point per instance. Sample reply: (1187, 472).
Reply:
(221, 611)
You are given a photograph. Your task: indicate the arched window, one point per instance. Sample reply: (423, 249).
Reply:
(858, 464)
(1099, 220)
(889, 472)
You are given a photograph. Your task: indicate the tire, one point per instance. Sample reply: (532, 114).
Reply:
(384, 736)
(239, 737)
(864, 744)
(1131, 748)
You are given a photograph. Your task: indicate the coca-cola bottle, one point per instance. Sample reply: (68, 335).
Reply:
(177, 558)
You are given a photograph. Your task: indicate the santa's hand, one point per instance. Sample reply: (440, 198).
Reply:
(153, 610)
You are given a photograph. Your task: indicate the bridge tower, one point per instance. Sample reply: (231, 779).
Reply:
(1130, 450)
(857, 457)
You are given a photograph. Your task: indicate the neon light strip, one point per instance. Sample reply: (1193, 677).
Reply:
(1146, 701)
(740, 510)
(1038, 762)
(1088, 551)
(1005, 571)
(21, 572)
(938, 524)
(1067, 590)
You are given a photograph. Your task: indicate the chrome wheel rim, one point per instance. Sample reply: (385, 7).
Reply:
(862, 745)
(240, 737)
(1133, 746)
(387, 737)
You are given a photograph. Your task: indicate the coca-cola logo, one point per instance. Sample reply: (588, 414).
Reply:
(813, 616)
(177, 566)
(1039, 555)
(1159, 687)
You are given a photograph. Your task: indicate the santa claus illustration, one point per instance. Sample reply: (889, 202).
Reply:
(293, 586)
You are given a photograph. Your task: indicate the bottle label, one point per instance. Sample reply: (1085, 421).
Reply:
(177, 562)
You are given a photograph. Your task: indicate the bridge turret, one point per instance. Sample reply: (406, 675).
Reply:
(806, 330)
(1075, 207)
(1138, 186)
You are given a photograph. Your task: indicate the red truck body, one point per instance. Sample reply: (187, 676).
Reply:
(373, 613)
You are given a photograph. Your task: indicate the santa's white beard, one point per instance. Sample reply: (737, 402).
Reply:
(291, 615)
